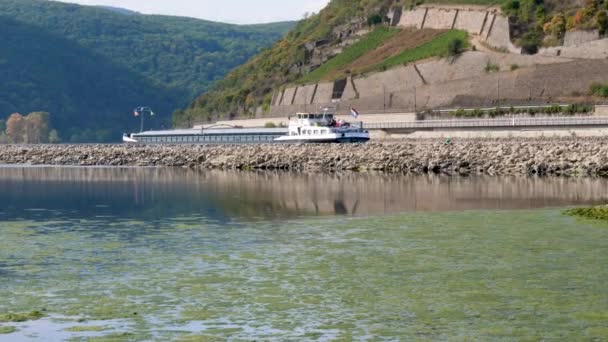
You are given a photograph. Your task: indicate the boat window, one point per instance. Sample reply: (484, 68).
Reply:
(316, 131)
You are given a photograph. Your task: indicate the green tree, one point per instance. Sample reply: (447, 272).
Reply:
(54, 137)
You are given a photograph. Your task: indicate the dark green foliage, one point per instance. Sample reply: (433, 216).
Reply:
(602, 22)
(511, 7)
(599, 89)
(595, 213)
(374, 19)
(530, 42)
(549, 110)
(455, 47)
(89, 66)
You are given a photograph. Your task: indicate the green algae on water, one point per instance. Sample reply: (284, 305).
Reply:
(7, 330)
(86, 328)
(595, 213)
(21, 317)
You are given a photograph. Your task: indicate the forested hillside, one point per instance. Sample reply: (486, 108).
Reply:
(89, 66)
(537, 23)
(89, 97)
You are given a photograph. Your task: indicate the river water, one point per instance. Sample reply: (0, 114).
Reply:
(178, 254)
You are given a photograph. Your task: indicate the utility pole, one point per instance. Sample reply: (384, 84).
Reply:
(415, 104)
(498, 91)
(384, 95)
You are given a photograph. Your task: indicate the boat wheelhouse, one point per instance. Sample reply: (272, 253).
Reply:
(323, 128)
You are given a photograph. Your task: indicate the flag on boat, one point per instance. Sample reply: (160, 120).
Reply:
(354, 112)
(136, 113)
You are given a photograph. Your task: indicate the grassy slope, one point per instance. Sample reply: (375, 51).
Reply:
(433, 48)
(337, 67)
(370, 42)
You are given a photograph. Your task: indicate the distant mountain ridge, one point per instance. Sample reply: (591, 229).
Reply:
(169, 59)
(120, 10)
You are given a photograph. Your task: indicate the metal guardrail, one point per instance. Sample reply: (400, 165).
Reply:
(492, 123)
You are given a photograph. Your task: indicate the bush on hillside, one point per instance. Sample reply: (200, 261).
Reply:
(491, 67)
(601, 20)
(599, 89)
(530, 42)
(455, 47)
(374, 19)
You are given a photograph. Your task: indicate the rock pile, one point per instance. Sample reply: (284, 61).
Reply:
(557, 156)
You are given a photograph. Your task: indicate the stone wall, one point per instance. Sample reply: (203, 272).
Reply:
(499, 35)
(304, 94)
(413, 18)
(601, 110)
(580, 37)
(471, 20)
(324, 92)
(288, 96)
(597, 49)
(440, 18)
(402, 88)
(493, 27)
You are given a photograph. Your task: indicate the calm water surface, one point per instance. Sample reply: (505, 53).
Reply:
(176, 254)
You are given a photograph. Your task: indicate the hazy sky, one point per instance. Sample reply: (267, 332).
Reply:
(231, 11)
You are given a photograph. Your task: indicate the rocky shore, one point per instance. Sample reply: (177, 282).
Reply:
(548, 156)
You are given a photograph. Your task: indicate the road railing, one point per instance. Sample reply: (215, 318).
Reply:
(493, 123)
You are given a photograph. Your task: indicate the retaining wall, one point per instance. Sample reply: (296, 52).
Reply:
(493, 27)
(304, 94)
(324, 92)
(394, 89)
(288, 96)
(597, 49)
(580, 37)
(440, 18)
(471, 21)
(413, 18)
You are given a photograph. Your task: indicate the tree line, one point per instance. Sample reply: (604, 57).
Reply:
(33, 128)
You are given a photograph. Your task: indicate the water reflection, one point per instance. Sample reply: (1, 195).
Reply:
(41, 192)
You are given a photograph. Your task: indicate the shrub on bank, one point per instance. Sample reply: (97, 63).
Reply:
(550, 110)
(595, 213)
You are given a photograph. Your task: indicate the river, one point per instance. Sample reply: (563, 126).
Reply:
(178, 254)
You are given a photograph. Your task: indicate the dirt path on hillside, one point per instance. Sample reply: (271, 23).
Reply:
(405, 40)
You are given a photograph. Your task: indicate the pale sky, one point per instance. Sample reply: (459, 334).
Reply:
(229, 11)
